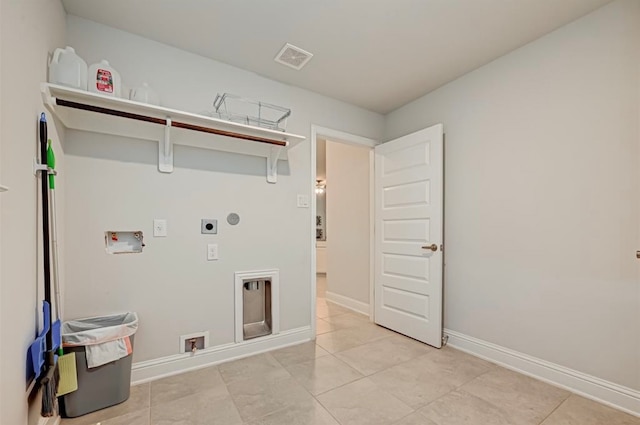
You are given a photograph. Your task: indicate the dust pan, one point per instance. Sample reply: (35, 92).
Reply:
(68, 374)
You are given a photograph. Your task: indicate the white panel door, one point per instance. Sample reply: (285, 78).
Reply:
(409, 233)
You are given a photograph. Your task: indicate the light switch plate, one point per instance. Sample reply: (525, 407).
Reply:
(212, 251)
(303, 201)
(159, 228)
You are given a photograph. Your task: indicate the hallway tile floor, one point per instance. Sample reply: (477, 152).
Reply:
(356, 373)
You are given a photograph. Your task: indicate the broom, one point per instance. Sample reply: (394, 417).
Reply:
(66, 362)
(49, 381)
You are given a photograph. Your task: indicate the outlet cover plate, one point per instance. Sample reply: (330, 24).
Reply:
(209, 226)
(159, 228)
(303, 201)
(212, 251)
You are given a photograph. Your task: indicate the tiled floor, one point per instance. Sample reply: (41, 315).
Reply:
(356, 373)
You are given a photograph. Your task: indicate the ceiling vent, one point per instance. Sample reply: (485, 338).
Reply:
(293, 57)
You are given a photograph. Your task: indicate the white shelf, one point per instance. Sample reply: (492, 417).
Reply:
(81, 110)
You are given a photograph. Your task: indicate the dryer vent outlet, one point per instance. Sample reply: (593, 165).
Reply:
(257, 304)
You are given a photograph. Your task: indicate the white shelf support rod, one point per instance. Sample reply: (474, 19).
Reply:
(272, 164)
(165, 150)
(3, 188)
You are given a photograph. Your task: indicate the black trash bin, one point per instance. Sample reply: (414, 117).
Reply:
(94, 340)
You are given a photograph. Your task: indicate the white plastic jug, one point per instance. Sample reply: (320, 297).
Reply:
(68, 69)
(144, 94)
(104, 79)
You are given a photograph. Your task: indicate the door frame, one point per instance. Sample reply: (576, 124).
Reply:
(350, 139)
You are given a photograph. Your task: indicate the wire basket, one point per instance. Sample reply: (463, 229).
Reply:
(234, 108)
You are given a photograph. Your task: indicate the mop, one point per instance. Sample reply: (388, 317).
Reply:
(66, 362)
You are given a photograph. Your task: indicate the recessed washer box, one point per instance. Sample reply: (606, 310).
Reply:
(123, 242)
(198, 340)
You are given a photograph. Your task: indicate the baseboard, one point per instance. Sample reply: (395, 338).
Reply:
(609, 393)
(347, 302)
(151, 370)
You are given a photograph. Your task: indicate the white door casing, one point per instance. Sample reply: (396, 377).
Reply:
(409, 186)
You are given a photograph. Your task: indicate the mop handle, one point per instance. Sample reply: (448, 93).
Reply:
(46, 252)
(51, 162)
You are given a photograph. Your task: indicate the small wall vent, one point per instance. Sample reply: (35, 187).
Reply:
(293, 57)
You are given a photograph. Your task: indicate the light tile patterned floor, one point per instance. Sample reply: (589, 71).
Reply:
(356, 373)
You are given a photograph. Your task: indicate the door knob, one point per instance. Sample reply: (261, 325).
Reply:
(433, 247)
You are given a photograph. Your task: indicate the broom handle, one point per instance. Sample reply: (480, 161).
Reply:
(46, 251)
(54, 252)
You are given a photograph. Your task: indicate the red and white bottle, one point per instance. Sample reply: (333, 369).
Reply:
(104, 79)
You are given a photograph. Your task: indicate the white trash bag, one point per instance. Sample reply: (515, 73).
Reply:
(105, 338)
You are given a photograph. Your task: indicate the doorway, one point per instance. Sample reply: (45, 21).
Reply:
(405, 259)
(342, 221)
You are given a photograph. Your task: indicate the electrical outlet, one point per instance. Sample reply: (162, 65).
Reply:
(209, 226)
(212, 251)
(303, 201)
(159, 228)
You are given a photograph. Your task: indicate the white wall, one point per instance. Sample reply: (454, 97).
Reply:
(348, 222)
(542, 189)
(29, 30)
(113, 184)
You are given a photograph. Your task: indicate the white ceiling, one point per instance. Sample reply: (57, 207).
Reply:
(377, 54)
